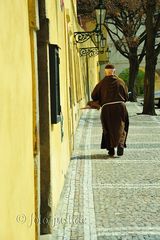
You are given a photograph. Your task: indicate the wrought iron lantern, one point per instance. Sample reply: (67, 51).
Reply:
(100, 10)
(96, 34)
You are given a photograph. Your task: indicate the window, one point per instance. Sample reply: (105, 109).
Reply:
(54, 62)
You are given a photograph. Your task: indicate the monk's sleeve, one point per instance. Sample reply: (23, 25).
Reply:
(124, 91)
(96, 92)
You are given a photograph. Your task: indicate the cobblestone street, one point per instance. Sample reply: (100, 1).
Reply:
(112, 198)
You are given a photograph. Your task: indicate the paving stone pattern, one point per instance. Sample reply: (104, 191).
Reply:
(112, 198)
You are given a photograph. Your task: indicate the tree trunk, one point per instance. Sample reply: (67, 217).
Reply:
(149, 107)
(133, 71)
(149, 80)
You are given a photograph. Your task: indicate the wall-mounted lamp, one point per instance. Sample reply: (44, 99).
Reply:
(103, 42)
(99, 41)
(96, 34)
(100, 10)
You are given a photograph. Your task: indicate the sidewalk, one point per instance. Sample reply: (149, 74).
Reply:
(114, 198)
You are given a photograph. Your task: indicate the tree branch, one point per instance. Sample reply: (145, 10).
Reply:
(118, 47)
(143, 53)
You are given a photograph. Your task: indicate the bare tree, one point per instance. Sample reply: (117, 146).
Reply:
(152, 9)
(134, 27)
(125, 26)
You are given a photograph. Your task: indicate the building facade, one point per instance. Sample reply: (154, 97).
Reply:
(44, 84)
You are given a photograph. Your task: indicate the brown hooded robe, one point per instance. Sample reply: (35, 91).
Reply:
(111, 92)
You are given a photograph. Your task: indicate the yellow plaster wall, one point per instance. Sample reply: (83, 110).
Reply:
(62, 24)
(93, 73)
(16, 149)
(60, 150)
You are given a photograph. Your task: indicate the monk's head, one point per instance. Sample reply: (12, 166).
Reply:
(109, 70)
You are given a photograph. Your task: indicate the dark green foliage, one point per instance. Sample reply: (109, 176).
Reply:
(139, 83)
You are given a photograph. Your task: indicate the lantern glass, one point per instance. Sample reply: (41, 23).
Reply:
(100, 13)
(103, 42)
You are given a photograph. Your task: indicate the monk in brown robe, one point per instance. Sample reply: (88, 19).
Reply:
(112, 93)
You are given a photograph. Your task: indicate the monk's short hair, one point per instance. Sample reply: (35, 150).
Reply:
(109, 66)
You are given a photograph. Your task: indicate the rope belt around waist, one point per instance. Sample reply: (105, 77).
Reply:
(111, 103)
